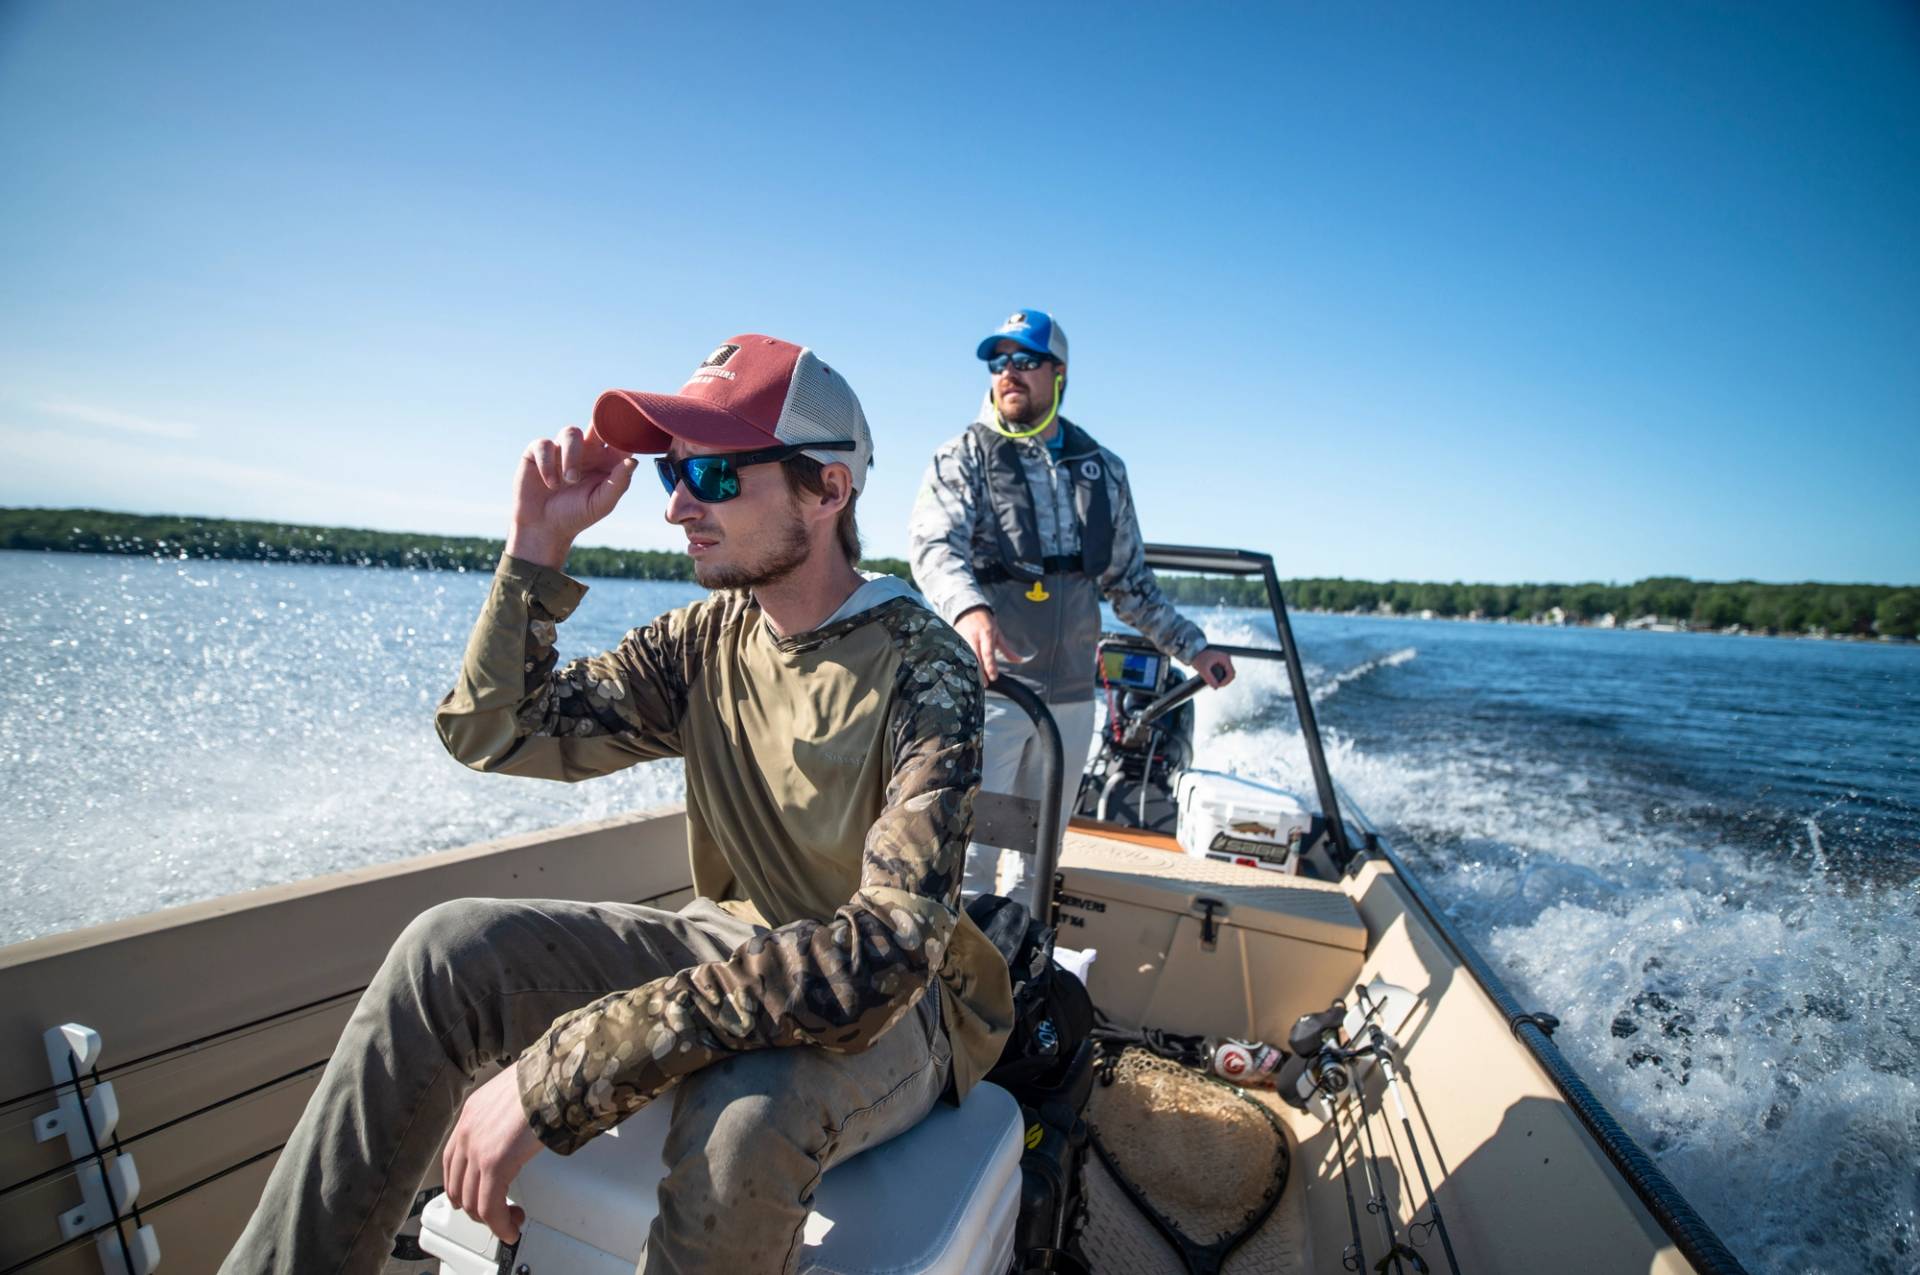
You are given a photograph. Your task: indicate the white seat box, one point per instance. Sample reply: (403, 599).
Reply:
(940, 1199)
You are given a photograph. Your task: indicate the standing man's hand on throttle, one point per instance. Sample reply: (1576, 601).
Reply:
(564, 485)
(989, 646)
(1215, 666)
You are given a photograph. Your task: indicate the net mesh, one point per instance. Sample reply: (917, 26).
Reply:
(1206, 1157)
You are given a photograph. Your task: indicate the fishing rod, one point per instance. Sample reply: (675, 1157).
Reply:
(1355, 1256)
(1333, 1079)
(1386, 1050)
(1437, 1223)
(1378, 1203)
(1321, 1076)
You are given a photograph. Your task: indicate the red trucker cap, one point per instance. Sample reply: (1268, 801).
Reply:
(753, 391)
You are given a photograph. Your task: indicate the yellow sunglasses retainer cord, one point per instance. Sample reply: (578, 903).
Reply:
(1000, 422)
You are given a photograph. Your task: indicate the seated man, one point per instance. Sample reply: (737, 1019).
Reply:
(822, 991)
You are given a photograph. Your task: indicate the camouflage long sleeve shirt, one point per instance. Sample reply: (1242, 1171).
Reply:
(830, 779)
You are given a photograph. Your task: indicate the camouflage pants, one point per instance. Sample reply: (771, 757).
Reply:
(473, 982)
(1010, 763)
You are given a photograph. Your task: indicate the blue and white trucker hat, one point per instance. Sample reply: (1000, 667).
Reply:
(1033, 329)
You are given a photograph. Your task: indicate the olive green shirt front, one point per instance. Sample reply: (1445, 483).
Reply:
(830, 779)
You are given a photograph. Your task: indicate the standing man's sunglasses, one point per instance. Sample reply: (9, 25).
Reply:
(1020, 360)
(712, 479)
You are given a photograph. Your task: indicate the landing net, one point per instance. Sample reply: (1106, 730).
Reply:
(1200, 1159)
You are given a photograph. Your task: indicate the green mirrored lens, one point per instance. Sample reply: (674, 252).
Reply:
(712, 478)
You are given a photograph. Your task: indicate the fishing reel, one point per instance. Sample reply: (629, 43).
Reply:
(1333, 1049)
(1319, 1064)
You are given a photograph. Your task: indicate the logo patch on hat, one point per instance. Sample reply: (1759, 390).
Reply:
(1018, 319)
(720, 356)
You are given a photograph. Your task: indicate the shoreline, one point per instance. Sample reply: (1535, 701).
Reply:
(1811, 609)
(1661, 627)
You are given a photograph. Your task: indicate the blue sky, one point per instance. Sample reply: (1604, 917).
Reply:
(1528, 292)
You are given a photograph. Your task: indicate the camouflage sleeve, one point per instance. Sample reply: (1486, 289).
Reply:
(1129, 584)
(940, 532)
(836, 984)
(513, 712)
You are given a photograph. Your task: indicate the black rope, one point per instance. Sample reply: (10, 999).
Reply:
(70, 1165)
(156, 1206)
(1545, 1022)
(118, 1149)
(99, 1157)
(198, 1041)
(264, 1085)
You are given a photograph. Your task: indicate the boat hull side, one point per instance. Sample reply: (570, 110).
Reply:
(246, 995)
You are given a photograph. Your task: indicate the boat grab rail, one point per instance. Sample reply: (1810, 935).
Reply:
(1046, 833)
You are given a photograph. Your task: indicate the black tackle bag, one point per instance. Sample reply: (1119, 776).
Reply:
(1047, 1065)
(1052, 1013)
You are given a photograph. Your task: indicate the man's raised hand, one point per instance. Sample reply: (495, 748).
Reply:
(564, 485)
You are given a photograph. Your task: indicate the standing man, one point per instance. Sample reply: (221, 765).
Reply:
(822, 991)
(1022, 525)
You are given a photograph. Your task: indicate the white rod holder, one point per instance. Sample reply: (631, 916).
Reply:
(109, 1180)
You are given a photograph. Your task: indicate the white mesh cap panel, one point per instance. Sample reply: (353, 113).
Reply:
(821, 407)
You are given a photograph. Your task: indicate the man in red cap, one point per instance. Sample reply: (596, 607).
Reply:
(822, 991)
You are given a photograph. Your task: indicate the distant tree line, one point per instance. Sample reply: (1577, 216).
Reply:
(1856, 609)
(185, 536)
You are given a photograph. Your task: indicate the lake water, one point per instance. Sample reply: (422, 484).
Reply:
(1702, 853)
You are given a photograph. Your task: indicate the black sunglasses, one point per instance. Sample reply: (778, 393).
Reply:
(1020, 359)
(713, 479)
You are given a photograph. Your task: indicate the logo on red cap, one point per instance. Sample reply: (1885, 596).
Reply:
(713, 367)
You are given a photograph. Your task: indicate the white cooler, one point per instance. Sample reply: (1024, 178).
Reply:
(940, 1199)
(1238, 821)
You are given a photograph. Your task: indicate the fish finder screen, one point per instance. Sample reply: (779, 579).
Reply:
(1136, 670)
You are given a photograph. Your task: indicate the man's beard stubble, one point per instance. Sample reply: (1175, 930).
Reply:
(1025, 416)
(775, 563)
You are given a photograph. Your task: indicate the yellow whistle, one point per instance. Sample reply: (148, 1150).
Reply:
(1038, 593)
